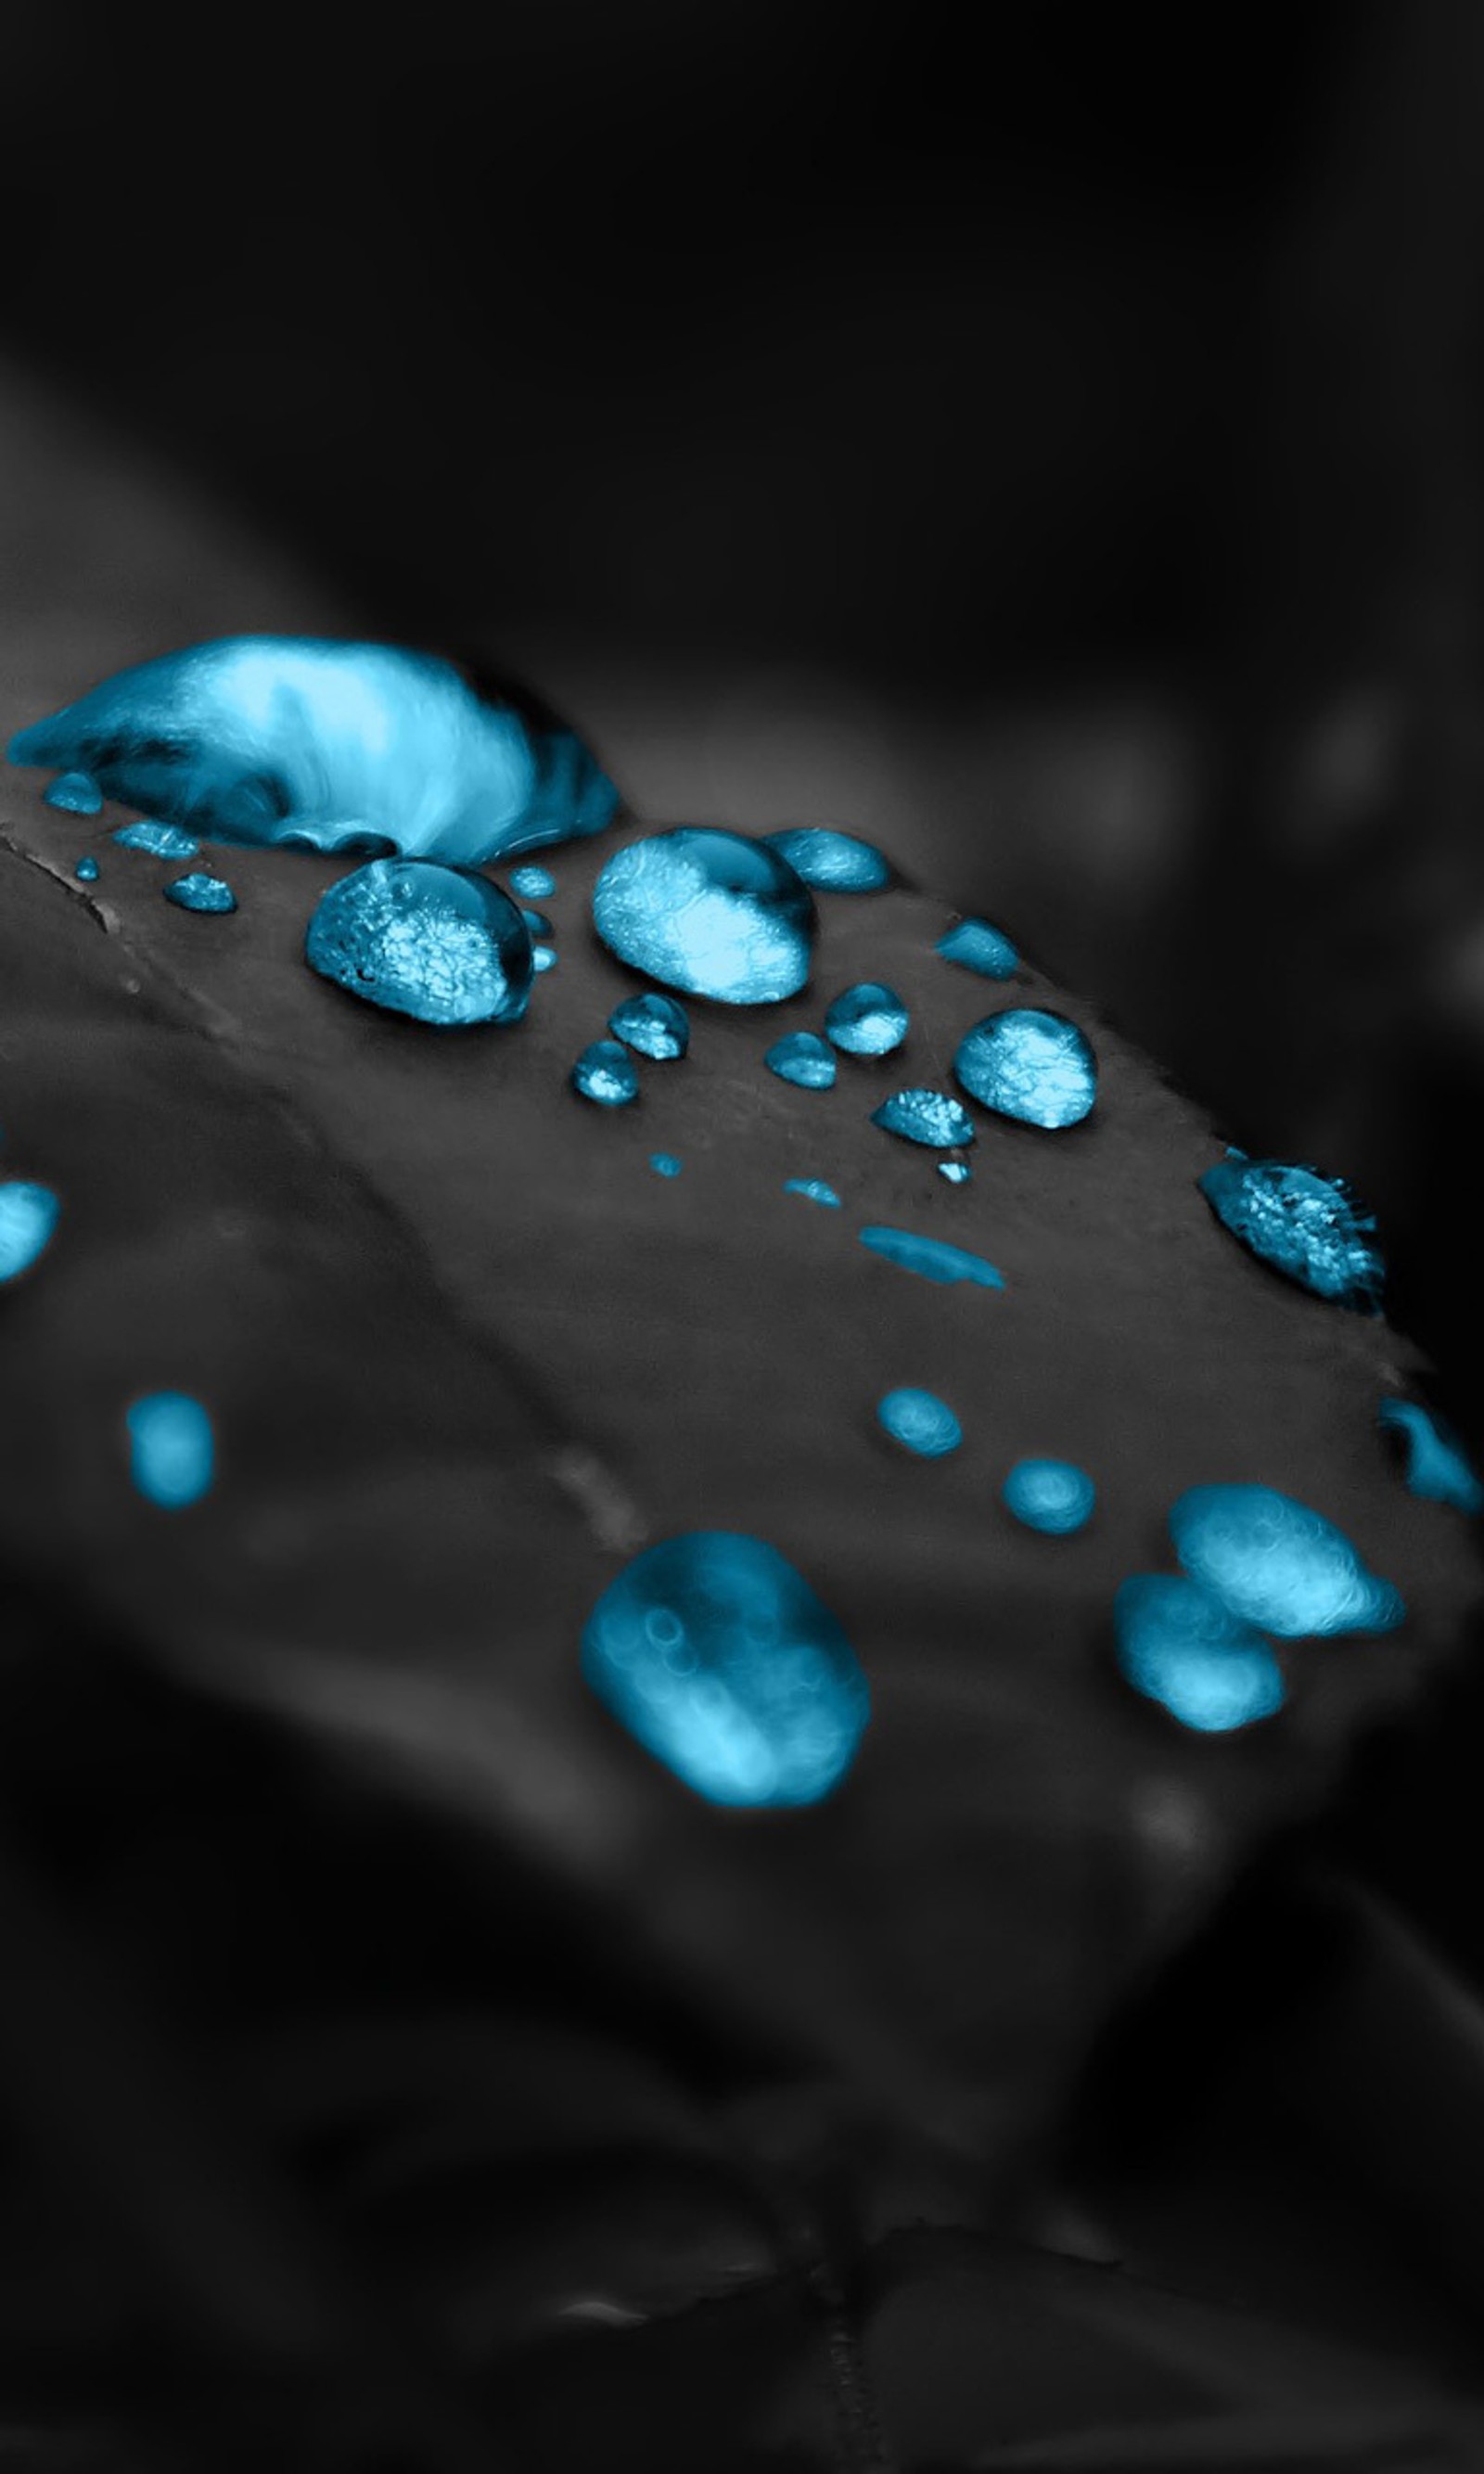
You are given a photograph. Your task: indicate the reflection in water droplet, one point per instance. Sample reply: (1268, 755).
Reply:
(867, 1020)
(87, 871)
(199, 891)
(537, 924)
(606, 1073)
(925, 1424)
(755, 1698)
(1308, 1227)
(832, 862)
(813, 1190)
(975, 946)
(956, 1172)
(1033, 1066)
(533, 884)
(1437, 1470)
(664, 1163)
(1272, 1561)
(708, 912)
(930, 1258)
(543, 958)
(77, 795)
(1176, 1645)
(928, 1117)
(656, 1026)
(28, 1217)
(424, 940)
(1054, 1496)
(805, 1058)
(157, 842)
(171, 1449)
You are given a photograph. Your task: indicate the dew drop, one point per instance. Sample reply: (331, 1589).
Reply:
(27, 1219)
(656, 1026)
(956, 1172)
(975, 946)
(664, 1163)
(805, 1058)
(156, 840)
(1272, 1560)
(1033, 1066)
(1177, 1647)
(533, 884)
(1437, 1470)
(751, 1696)
(171, 1449)
(199, 891)
(920, 1421)
(424, 940)
(87, 871)
(708, 912)
(867, 1020)
(77, 795)
(928, 1117)
(1308, 1227)
(1054, 1496)
(606, 1074)
(537, 924)
(834, 862)
(931, 1259)
(543, 958)
(813, 1190)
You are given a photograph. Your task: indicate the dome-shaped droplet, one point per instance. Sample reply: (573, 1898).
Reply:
(804, 1059)
(867, 1020)
(813, 1190)
(1054, 1496)
(533, 884)
(834, 862)
(156, 840)
(606, 1074)
(1308, 1227)
(28, 1220)
(86, 870)
(920, 1423)
(956, 1172)
(76, 794)
(931, 1259)
(717, 1655)
(424, 940)
(1034, 1066)
(172, 1451)
(1274, 1563)
(543, 958)
(708, 912)
(1177, 1647)
(928, 1117)
(975, 946)
(1437, 1470)
(657, 1027)
(199, 891)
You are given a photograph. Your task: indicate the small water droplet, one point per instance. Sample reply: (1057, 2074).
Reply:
(1035, 1067)
(156, 840)
(199, 891)
(803, 1057)
(533, 884)
(931, 1259)
(1054, 1496)
(1272, 1561)
(928, 1117)
(708, 912)
(1308, 1227)
(867, 1020)
(664, 1163)
(424, 940)
(27, 1219)
(537, 924)
(813, 1190)
(975, 946)
(768, 1706)
(606, 1074)
(1177, 1647)
(834, 862)
(918, 1419)
(87, 871)
(172, 1452)
(77, 795)
(656, 1026)
(956, 1172)
(1437, 1470)
(543, 958)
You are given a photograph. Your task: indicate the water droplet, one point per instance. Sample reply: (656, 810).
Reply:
(87, 871)
(867, 1020)
(171, 1449)
(918, 1419)
(956, 1172)
(1272, 1561)
(657, 1027)
(754, 1697)
(1055, 1496)
(664, 1163)
(708, 912)
(606, 1073)
(834, 862)
(1033, 1066)
(975, 946)
(928, 1117)
(1437, 1470)
(537, 924)
(533, 884)
(424, 940)
(543, 958)
(156, 840)
(201, 892)
(1177, 1647)
(805, 1058)
(77, 795)
(1308, 1227)
(28, 1217)
(813, 1190)
(931, 1259)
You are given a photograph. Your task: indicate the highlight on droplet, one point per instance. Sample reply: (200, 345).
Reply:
(172, 1449)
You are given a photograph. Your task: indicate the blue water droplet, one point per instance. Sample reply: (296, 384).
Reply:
(931, 1259)
(1177, 1647)
(813, 1190)
(543, 958)
(803, 1057)
(656, 1026)
(1054, 1496)
(717, 1657)
(708, 912)
(664, 1163)
(834, 862)
(918, 1419)
(424, 940)
(201, 892)
(537, 924)
(1308, 1227)
(1037, 1067)
(975, 946)
(1437, 1470)
(77, 795)
(172, 1453)
(158, 840)
(956, 1172)
(867, 1020)
(86, 870)
(1273, 1562)
(534, 884)
(605, 1073)
(928, 1117)
(28, 1217)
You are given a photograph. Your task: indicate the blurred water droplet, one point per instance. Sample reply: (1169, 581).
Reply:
(77, 795)
(87, 871)
(156, 840)
(656, 1026)
(1308, 1227)
(1054, 1496)
(928, 1117)
(543, 958)
(920, 1421)
(533, 884)
(708, 912)
(867, 1020)
(1177, 1647)
(664, 1163)
(813, 1190)
(931, 1259)
(172, 1452)
(1272, 1561)
(201, 892)
(805, 1058)
(537, 924)
(956, 1172)
(975, 946)
(834, 862)
(1437, 1470)
(27, 1219)
(1037, 1067)
(606, 1074)
(424, 940)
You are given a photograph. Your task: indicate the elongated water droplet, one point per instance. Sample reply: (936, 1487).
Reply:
(27, 1219)
(1033, 1066)
(805, 1058)
(1308, 1227)
(1437, 1470)
(928, 1117)
(606, 1074)
(172, 1452)
(834, 862)
(708, 912)
(664, 1164)
(920, 1421)
(424, 940)
(975, 946)
(956, 1172)
(657, 1027)
(533, 884)
(158, 840)
(77, 795)
(813, 1190)
(86, 870)
(1177, 1647)
(867, 1020)
(718, 1658)
(1055, 1496)
(931, 1259)
(543, 958)
(201, 892)
(537, 924)
(1273, 1562)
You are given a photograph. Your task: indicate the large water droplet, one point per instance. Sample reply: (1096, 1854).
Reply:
(931, 1259)
(1033, 1066)
(199, 891)
(1272, 1561)
(803, 1057)
(172, 1452)
(1437, 1470)
(920, 1421)
(975, 946)
(928, 1117)
(606, 1074)
(1177, 1647)
(424, 940)
(664, 1164)
(717, 1655)
(1054, 1496)
(533, 884)
(77, 795)
(834, 862)
(86, 870)
(813, 1190)
(708, 912)
(1308, 1227)
(28, 1217)
(158, 840)
(867, 1020)
(655, 1025)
